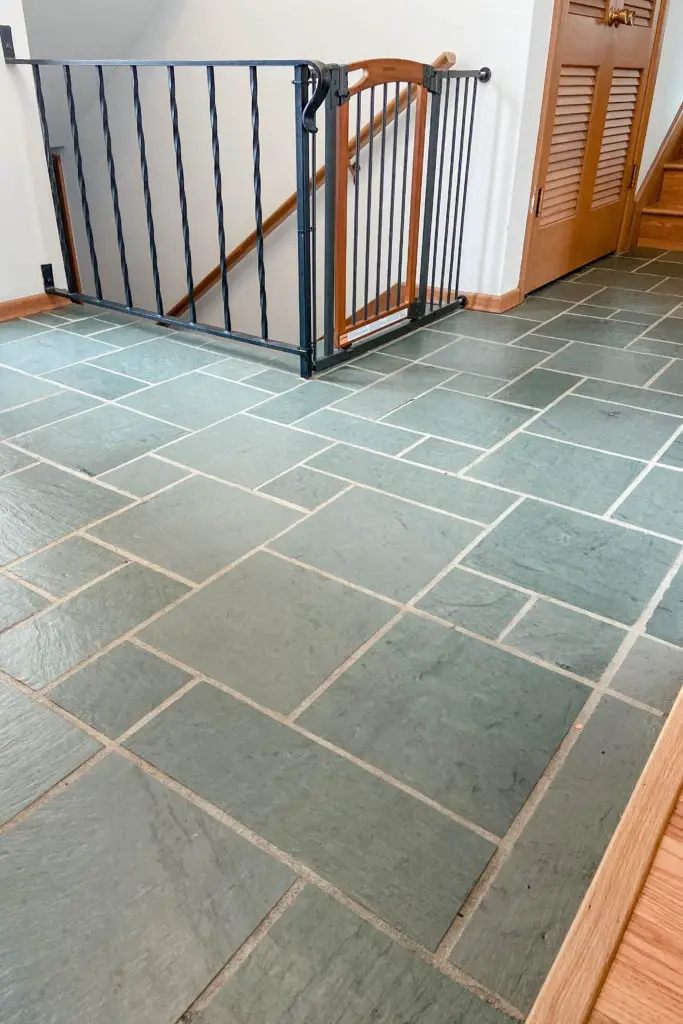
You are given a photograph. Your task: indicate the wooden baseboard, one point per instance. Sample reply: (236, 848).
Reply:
(494, 303)
(42, 303)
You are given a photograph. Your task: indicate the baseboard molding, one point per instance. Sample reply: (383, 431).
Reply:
(42, 303)
(493, 303)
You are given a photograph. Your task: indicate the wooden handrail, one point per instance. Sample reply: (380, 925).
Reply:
(443, 62)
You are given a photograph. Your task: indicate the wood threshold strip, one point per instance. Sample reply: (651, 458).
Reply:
(580, 969)
(443, 62)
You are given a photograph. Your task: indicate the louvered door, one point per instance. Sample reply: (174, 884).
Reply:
(588, 138)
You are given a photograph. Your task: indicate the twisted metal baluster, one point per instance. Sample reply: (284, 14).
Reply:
(81, 178)
(456, 208)
(258, 210)
(218, 184)
(53, 180)
(475, 85)
(406, 149)
(390, 246)
(181, 191)
(144, 169)
(450, 187)
(114, 188)
(381, 195)
(444, 125)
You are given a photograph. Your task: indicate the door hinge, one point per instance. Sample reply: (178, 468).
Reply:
(539, 202)
(634, 176)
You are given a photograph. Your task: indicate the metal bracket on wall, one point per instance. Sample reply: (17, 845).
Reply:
(48, 276)
(339, 85)
(7, 42)
(430, 79)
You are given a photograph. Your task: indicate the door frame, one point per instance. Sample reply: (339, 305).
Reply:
(560, 13)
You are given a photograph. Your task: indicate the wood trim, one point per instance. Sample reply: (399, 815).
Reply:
(385, 69)
(414, 221)
(41, 303)
(576, 978)
(66, 217)
(649, 191)
(493, 303)
(341, 198)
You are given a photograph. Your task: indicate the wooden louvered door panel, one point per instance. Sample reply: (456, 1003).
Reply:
(595, 95)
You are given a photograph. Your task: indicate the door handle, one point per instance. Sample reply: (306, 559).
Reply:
(620, 16)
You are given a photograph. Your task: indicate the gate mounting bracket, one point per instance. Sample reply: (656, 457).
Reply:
(430, 79)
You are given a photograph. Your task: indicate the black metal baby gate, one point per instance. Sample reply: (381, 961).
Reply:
(391, 194)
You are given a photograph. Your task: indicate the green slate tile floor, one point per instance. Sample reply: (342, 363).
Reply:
(306, 665)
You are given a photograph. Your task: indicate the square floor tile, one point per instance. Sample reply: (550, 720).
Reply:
(322, 963)
(592, 564)
(158, 360)
(669, 268)
(42, 503)
(400, 858)
(16, 330)
(468, 600)
(341, 427)
(666, 622)
(145, 475)
(487, 358)
(572, 327)
(655, 401)
(41, 649)
(100, 439)
(269, 629)
(539, 308)
(49, 351)
(37, 749)
(88, 326)
(157, 896)
(671, 379)
(384, 361)
(389, 393)
(420, 343)
(474, 384)
(17, 603)
(423, 703)
(652, 673)
(621, 279)
(55, 407)
(275, 381)
(540, 343)
(487, 326)
(304, 487)
(446, 455)
(670, 329)
(379, 542)
(245, 450)
(612, 428)
(239, 369)
(196, 527)
(641, 302)
(67, 566)
(656, 503)
(568, 639)
(11, 459)
(18, 388)
(102, 383)
(478, 421)
(563, 473)
(515, 934)
(598, 361)
(537, 388)
(351, 376)
(195, 400)
(670, 286)
(404, 480)
(116, 690)
(305, 399)
(568, 291)
(667, 349)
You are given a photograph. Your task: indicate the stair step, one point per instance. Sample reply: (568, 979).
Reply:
(674, 165)
(671, 194)
(659, 210)
(662, 226)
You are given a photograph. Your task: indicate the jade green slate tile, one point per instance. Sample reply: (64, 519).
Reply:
(67, 566)
(17, 603)
(304, 487)
(321, 962)
(617, 429)
(539, 309)
(130, 333)
(400, 858)
(671, 379)
(158, 360)
(620, 279)
(477, 421)
(11, 459)
(238, 369)
(384, 361)
(564, 473)
(627, 263)
(50, 351)
(652, 673)
(37, 749)
(468, 600)
(515, 934)
(396, 549)
(670, 286)
(275, 381)
(422, 343)
(43, 648)
(425, 703)
(441, 454)
(16, 330)
(340, 427)
(566, 638)
(244, 450)
(388, 393)
(670, 329)
(537, 388)
(656, 503)
(622, 394)
(122, 874)
(487, 326)
(116, 690)
(89, 378)
(55, 407)
(592, 564)
(196, 527)
(588, 309)
(245, 629)
(301, 401)
(598, 361)
(670, 269)
(629, 316)
(639, 302)
(195, 400)
(668, 349)
(100, 439)
(144, 476)
(673, 456)
(43, 503)
(18, 388)
(666, 622)
(487, 358)
(540, 343)
(428, 486)
(90, 326)
(567, 291)
(474, 384)
(572, 327)
(351, 376)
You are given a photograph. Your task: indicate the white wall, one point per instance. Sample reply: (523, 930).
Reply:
(668, 94)
(28, 234)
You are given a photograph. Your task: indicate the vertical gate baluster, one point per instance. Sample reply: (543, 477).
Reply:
(381, 196)
(438, 194)
(258, 209)
(182, 196)
(144, 170)
(464, 190)
(368, 213)
(81, 177)
(397, 101)
(406, 150)
(114, 187)
(456, 211)
(218, 186)
(450, 188)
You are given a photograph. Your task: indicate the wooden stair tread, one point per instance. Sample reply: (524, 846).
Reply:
(674, 165)
(664, 211)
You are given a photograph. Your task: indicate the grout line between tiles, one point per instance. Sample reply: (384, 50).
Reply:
(637, 480)
(516, 619)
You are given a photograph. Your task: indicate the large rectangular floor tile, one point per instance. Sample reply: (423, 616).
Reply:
(128, 331)
(17, 388)
(671, 379)
(90, 378)
(421, 343)
(466, 599)
(668, 349)
(67, 566)
(50, 351)
(301, 401)
(670, 329)
(159, 360)
(487, 357)
(197, 527)
(667, 619)
(244, 450)
(650, 399)
(656, 503)
(389, 393)
(487, 326)
(379, 542)
(99, 439)
(595, 565)
(341, 427)
(564, 473)
(402, 859)
(43, 648)
(42, 503)
(568, 291)
(462, 498)
(55, 407)
(598, 361)
(422, 703)
(652, 673)
(572, 327)
(612, 428)
(145, 475)
(37, 749)
(445, 455)
(320, 963)
(474, 384)
(539, 308)
(537, 388)
(673, 456)
(122, 875)
(16, 330)
(621, 279)
(639, 302)
(113, 692)
(11, 459)
(478, 421)
(17, 603)
(246, 629)
(515, 934)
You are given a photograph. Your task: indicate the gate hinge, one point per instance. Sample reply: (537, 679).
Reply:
(339, 85)
(7, 42)
(430, 79)
(416, 309)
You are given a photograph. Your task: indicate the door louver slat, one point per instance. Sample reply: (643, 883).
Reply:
(591, 8)
(609, 179)
(568, 144)
(643, 10)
